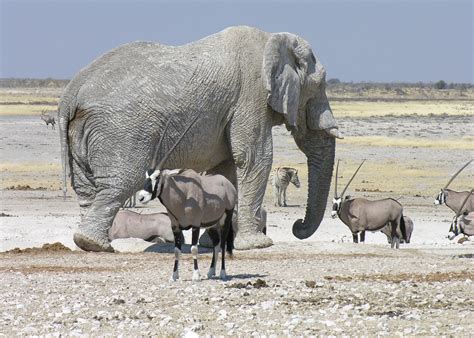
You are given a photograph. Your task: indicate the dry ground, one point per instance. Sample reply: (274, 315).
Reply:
(323, 285)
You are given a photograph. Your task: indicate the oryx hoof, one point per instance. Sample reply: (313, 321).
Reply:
(211, 273)
(174, 276)
(223, 275)
(196, 276)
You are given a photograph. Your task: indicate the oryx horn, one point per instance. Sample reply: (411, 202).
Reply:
(456, 174)
(163, 160)
(335, 185)
(347, 185)
(153, 163)
(464, 203)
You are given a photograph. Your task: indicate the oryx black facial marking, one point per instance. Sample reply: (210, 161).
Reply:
(441, 198)
(151, 183)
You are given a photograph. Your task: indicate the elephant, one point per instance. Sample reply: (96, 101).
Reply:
(240, 82)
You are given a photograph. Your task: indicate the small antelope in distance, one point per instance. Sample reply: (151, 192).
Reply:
(454, 199)
(282, 177)
(464, 224)
(194, 201)
(361, 215)
(48, 119)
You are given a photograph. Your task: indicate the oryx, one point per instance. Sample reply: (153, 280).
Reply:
(129, 224)
(361, 215)
(463, 223)
(387, 231)
(48, 119)
(194, 201)
(454, 199)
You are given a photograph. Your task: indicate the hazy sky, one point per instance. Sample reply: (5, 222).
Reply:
(385, 40)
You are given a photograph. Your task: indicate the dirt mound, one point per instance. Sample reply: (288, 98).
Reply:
(48, 247)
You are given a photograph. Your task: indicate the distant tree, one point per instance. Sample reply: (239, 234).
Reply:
(441, 85)
(333, 81)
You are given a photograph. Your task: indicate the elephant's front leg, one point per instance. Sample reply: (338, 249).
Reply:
(252, 150)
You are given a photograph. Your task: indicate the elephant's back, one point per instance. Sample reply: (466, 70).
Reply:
(116, 67)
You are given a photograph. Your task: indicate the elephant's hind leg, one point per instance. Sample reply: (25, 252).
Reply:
(83, 187)
(92, 234)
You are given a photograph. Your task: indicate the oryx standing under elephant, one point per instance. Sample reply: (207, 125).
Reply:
(362, 215)
(454, 199)
(241, 82)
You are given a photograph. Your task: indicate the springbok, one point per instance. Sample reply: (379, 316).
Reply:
(48, 119)
(362, 215)
(454, 199)
(464, 224)
(194, 201)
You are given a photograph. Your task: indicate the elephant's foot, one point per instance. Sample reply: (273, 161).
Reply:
(91, 242)
(252, 240)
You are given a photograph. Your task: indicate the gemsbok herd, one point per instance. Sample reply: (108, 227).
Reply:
(199, 200)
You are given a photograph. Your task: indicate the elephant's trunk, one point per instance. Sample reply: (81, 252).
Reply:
(320, 165)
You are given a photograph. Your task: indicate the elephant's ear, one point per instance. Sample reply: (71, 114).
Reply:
(280, 75)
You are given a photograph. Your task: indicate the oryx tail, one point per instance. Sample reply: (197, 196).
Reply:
(403, 228)
(230, 234)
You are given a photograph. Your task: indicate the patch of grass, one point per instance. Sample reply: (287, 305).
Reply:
(25, 109)
(30, 167)
(34, 175)
(418, 108)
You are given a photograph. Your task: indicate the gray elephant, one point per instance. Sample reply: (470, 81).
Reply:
(241, 82)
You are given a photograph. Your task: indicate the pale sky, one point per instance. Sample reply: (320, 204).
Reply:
(378, 41)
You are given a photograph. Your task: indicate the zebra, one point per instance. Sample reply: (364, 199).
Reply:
(281, 178)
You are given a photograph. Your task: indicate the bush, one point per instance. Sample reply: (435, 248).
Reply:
(441, 85)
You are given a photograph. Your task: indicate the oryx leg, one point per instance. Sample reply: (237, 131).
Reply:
(194, 252)
(355, 237)
(224, 233)
(214, 235)
(284, 198)
(362, 236)
(177, 253)
(395, 238)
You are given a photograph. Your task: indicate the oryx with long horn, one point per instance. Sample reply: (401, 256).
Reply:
(454, 199)
(194, 201)
(463, 223)
(361, 215)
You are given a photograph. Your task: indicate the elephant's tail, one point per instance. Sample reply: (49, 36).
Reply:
(64, 115)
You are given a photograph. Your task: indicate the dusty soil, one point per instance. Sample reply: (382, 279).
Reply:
(291, 289)
(324, 285)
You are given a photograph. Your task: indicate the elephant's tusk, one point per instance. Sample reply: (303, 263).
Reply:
(334, 132)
